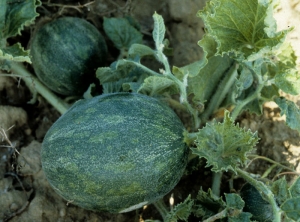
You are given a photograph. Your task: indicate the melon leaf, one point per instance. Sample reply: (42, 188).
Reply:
(207, 204)
(158, 31)
(287, 76)
(157, 85)
(241, 29)
(121, 32)
(14, 15)
(181, 211)
(280, 190)
(292, 208)
(224, 145)
(291, 111)
(295, 188)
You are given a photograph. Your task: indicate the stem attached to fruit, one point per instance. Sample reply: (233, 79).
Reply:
(36, 86)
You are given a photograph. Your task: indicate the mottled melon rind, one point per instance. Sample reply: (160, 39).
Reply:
(115, 151)
(65, 54)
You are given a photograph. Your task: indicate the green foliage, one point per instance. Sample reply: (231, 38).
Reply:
(14, 16)
(121, 32)
(181, 211)
(246, 63)
(291, 111)
(224, 145)
(243, 29)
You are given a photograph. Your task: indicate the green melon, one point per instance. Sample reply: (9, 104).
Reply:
(65, 54)
(115, 152)
(260, 209)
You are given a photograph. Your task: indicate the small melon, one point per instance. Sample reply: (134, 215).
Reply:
(65, 54)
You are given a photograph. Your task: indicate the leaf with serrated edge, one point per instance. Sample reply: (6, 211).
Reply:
(158, 31)
(181, 211)
(15, 53)
(224, 145)
(295, 188)
(291, 111)
(208, 204)
(243, 29)
(121, 32)
(292, 208)
(13, 17)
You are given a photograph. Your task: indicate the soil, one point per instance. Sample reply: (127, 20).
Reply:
(25, 194)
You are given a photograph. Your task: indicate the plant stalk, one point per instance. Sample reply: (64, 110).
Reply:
(162, 208)
(35, 86)
(216, 183)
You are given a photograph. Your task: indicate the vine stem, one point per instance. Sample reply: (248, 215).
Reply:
(264, 190)
(162, 208)
(240, 104)
(35, 86)
(182, 85)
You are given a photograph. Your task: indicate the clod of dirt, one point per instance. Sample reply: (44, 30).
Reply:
(11, 200)
(12, 116)
(11, 91)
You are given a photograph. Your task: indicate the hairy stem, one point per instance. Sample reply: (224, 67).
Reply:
(255, 95)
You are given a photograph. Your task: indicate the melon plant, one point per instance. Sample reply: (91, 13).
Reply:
(115, 152)
(65, 53)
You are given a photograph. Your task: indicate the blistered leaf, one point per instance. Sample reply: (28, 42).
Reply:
(224, 145)
(14, 15)
(242, 29)
(181, 211)
(292, 208)
(291, 111)
(295, 188)
(155, 85)
(158, 31)
(280, 190)
(121, 32)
